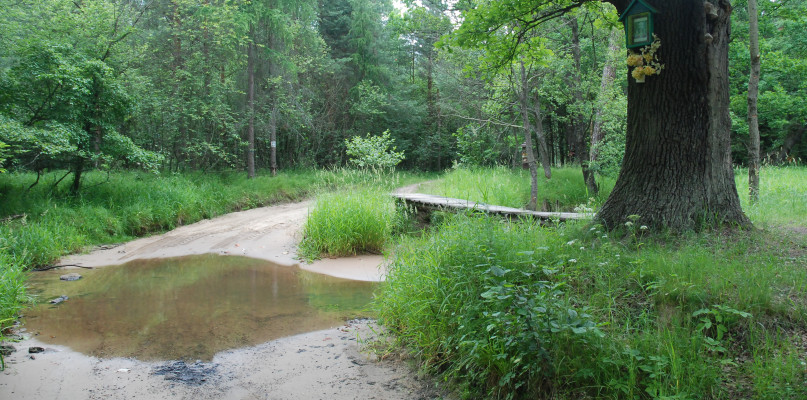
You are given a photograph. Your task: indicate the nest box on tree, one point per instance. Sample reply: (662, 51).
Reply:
(638, 21)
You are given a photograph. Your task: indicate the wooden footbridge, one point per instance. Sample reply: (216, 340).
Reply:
(430, 202)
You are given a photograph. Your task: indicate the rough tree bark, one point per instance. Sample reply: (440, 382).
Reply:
(579, 144)
(523, 97)
(677, 170)
(273, 140)
(543, 151)
(753, 92)
(608, 77)
(251, 106)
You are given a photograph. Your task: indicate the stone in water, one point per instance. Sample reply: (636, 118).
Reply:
(70, 277)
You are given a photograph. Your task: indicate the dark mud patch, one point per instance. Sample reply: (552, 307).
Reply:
(197, 373)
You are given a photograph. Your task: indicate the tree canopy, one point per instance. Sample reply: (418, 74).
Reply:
(164, 84)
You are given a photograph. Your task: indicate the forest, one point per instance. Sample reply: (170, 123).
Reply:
(203, 85)
(125, 118)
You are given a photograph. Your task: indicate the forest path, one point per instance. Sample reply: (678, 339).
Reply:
(326, 364)
(269, 233)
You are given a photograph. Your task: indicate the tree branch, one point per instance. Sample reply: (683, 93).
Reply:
(486, 121)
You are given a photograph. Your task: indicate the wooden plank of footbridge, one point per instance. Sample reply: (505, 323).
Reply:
(434, 202)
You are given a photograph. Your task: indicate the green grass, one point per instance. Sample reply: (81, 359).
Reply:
(349, 222)
(12, 294)
(507, 310)
(12, 288)
(511, 188)
(782, 199)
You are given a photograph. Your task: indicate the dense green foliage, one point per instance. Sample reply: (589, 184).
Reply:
(782, 89)
(517, 310)
(97, 84)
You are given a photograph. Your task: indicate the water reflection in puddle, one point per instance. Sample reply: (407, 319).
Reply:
(188, 307)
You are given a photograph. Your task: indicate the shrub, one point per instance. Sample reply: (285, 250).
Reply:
(373, 151)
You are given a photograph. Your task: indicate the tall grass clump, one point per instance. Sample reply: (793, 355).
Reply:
(349, 222)
(12, 288)
(12, 293)
(511, 188)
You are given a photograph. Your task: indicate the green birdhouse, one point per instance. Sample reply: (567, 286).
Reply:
(638, 21)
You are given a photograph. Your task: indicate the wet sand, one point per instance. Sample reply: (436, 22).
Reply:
(318, 365)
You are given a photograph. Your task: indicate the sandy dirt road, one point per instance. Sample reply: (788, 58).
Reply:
(328, 364)
(268, 233)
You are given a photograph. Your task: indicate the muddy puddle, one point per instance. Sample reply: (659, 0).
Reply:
(188, 308)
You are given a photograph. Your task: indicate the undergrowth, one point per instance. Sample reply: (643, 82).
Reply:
(523, 311)
(516, 310)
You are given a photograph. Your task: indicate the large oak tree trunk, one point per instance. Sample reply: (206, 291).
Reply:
(677, 170)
